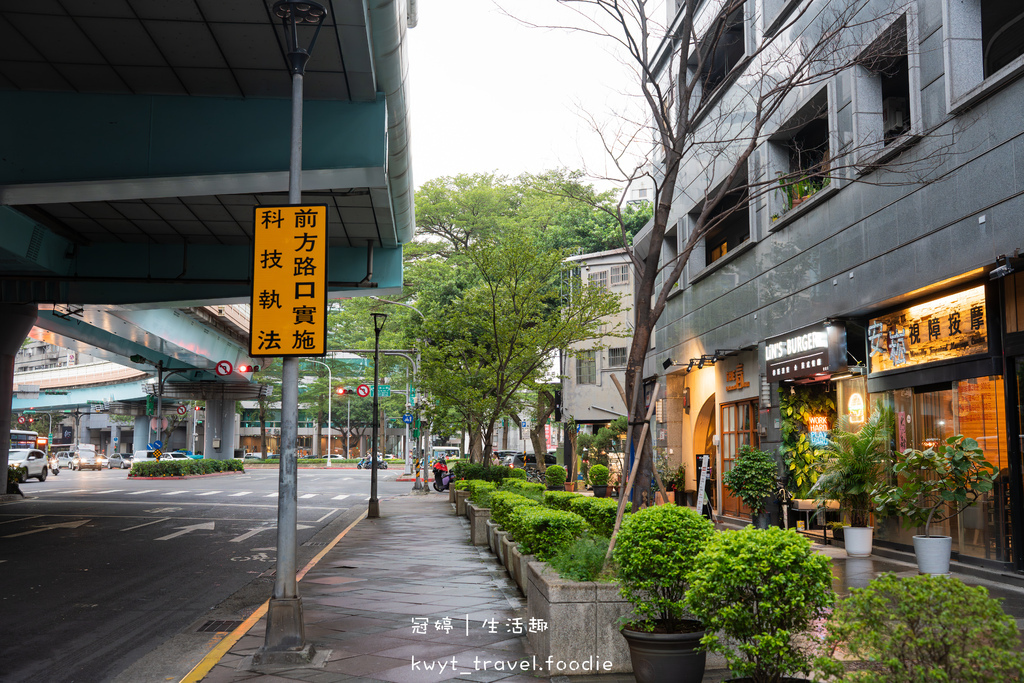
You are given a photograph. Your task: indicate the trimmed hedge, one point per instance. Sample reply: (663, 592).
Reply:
(503, 503)
(480, 492)
(462, 484)
(515, 474)
(599, 513)
(555, 476)
(529, 489)
(542, 531)
(559, 500)
(180, 468)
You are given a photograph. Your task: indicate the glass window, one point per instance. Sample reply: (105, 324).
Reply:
(620, 275)
(739, 428)
(617, 357)
(598, 278)
(586, 367)
(731, 221)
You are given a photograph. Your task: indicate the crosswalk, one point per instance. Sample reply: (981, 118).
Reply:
(185, 493)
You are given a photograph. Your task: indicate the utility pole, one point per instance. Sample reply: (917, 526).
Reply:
(373, 510)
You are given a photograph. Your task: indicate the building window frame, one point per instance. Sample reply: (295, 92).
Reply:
(617, 356)
(619, 274)
(598, 278)
(586, 367)
(870, 145)
(963, 55)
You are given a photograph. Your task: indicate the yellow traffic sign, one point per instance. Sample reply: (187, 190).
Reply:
(289, 283)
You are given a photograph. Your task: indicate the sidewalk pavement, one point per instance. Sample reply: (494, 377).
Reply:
(361, 597)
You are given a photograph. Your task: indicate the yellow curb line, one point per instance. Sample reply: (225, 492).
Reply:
(214, 656)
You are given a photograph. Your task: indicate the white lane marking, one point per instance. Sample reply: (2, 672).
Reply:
(270, 495)
(49, 527)
(174, 493)
(241, 493)
(110, 491)
(307, 495)
(341, 497)
(139, 526)
(327, 515)
(208, 526)
(209, 493)
(253, 532)
(139, 493)
(21, 519)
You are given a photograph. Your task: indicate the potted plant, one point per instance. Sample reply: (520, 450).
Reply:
(654, 551)
(757, 592)
(599, 480)
(932, 486)
(554, 477)
(752, 479)
(676, 481)
(923, 628)
(853, 466)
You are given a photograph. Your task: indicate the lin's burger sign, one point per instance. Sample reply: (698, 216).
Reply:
(815, 350)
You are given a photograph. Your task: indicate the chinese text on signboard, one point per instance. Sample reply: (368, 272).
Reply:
(945, 328)
(289, 284)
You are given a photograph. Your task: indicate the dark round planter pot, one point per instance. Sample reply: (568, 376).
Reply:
(666, 657)
(600, 491)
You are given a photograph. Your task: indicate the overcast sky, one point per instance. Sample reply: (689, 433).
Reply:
(488, 94)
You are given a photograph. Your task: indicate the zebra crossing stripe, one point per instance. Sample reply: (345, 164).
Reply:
(307, 495)
(139, 493)
(341, 497)
(240, 493)
(209, 493)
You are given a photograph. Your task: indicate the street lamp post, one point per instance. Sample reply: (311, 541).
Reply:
(285, 640)
(330, 384)
(373, 510)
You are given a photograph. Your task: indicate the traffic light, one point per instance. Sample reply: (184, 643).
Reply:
(248, 368)
(341, 391)
(199, 414)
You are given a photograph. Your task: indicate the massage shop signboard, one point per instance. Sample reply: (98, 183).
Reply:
(950, 327)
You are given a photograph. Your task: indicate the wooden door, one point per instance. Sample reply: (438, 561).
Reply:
(739, 428)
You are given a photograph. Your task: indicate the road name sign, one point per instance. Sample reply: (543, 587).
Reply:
(288, 307)
(383, 390)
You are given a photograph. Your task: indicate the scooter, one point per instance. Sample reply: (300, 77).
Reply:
(54, 467)
(442, 479)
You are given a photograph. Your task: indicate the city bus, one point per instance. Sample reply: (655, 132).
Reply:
(21, 438)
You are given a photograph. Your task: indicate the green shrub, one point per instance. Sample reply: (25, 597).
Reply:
(497, 473)
(503, 503)
(599, 475)
(554, 476)
(462, 484)
(529, 489)
(542, 531)
(515, 474)
(753, 478)
(924, 628)
(480, 492)
(559, 500)
(180, 468)
(599, 512)
(15, 475)
(756, 592)
(655, 550)
(582, 559)
(468, 470)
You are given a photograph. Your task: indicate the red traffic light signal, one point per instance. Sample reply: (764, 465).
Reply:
(248, 368)
(342, 391)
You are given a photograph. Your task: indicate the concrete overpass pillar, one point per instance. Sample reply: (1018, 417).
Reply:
(115, 438)
(220, 429)
(18, 320)
(140, 437)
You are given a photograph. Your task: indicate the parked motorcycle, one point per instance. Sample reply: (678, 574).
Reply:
(442, 477)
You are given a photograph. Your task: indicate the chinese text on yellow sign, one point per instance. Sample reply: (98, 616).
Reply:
(289, 282)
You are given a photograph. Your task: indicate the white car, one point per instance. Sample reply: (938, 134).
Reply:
(31, 462)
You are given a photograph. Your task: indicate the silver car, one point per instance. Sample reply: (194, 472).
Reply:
(87, 460)
(121, 461)
(31, 462)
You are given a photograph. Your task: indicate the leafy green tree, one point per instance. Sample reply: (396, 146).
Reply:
(490, 343)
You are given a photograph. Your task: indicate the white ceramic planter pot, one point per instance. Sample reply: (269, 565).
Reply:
(933, 553)
(858, 540)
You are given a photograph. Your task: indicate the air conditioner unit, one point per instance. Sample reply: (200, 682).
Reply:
(894, 110)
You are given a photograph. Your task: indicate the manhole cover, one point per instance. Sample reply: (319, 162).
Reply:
(218, 626)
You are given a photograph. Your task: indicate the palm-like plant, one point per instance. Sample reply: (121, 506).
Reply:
(855, 463)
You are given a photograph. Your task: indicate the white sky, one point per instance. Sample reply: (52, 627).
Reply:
(489, 94)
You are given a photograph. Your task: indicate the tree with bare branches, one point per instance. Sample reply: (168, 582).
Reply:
(731, 126)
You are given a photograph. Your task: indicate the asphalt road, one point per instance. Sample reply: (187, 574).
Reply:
(105, 578)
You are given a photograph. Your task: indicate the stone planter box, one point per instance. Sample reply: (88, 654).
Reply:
(582, 619)
(492, 535)
(500, 545)
(506, 551)
(519, 566)
(460, 502)
(451, 494)
(478, 516)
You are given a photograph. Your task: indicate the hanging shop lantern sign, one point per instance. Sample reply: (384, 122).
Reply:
(950, 327)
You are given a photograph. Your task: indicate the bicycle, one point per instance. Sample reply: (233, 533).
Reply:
(534, 476)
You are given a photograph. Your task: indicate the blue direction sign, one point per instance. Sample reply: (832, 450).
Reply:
(407, 418)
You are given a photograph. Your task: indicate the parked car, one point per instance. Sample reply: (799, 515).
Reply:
(507, 458)
(150, 456)
(252, 456)
(530, 460)
(122, 461)
(31, 462)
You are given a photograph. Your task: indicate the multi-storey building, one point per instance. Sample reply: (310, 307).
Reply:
(889, 276)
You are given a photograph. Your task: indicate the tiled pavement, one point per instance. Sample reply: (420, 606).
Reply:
(415, 562)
